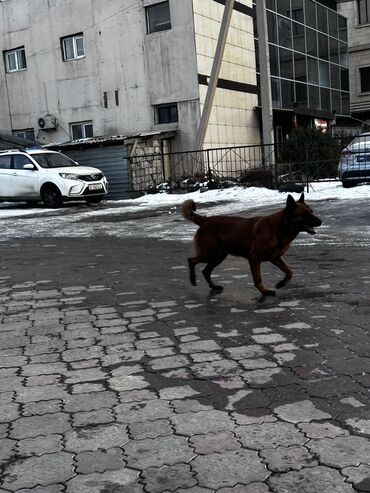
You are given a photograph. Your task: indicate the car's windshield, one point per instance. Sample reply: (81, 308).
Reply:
(53, 160)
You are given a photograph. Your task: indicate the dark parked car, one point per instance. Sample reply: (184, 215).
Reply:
(354, 163)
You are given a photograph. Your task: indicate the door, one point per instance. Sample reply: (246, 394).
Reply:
(5, 176)
(24, 181)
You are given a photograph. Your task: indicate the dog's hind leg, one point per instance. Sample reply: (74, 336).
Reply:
(279, 262)
(209, 268)
(192, 262)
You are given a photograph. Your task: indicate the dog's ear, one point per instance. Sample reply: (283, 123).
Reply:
(301, 198)
(290, 203)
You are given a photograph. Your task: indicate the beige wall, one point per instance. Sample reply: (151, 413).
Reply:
(233, 119)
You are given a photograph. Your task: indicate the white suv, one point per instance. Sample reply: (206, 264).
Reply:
(50, 176)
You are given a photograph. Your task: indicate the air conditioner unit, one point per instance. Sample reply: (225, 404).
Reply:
(47, 122)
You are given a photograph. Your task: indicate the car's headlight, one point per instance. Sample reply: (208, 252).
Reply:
(69, 176)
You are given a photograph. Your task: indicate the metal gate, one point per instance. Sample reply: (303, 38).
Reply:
(113, 161)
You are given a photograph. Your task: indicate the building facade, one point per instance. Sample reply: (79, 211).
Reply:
(358, 14)
(74, 70)
(308, 52)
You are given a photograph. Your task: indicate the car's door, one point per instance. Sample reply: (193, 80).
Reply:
(24, 181)
(5, 176)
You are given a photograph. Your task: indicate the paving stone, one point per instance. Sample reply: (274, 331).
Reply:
(171, 478)
(82, 353)
(169, 362)
(214, 442)
(7, 450)
(3, 430)
(40, 445)
(9, 412)
(201, 357)
(99, 461)
(124, 480)
(150, 429)
(360, 476)
(229, 468)
(44, 369)
(42, 380)
(83, 376)
(34, 426)
(42, 407)
(51, 488)
(283, 459)
(88, 418)
(191, 406)
(89, 401)
(44, 470)
(199, 346)
(157, 452)
(128, 382)
(322, 430)
(202, 422)
(83, 388)
(97, 437)
(244, 352)
(360, 425)
(261, 436)
(244, 419)
(250, 488)
(134, 412)
(310, 480)
(137, 395)
(216, 368)
(41, 393)
(254, 364)
(178, 392)
(298, 412)
(341, 451)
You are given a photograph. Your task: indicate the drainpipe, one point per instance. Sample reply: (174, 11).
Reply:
(216, 67)
(265, 81)
(166, 160)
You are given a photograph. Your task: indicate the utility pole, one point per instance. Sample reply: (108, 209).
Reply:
(216, 67)
(265, 80)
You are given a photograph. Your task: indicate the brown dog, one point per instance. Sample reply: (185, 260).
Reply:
(257, 239)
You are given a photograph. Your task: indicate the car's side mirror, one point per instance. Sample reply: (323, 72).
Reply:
(29, 166)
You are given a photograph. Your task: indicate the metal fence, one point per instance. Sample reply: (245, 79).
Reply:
(263, 165)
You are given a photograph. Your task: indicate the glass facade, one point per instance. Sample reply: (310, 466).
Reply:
(308, 51)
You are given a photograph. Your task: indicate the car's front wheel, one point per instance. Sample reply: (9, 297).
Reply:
(349, 184)
(52, 197)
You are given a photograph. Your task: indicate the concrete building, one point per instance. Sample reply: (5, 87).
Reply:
(74, 70)
(358, 15)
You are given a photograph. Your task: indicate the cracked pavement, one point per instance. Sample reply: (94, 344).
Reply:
(116, 375)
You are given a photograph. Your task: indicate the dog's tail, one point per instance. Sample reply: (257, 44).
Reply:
(188, 209)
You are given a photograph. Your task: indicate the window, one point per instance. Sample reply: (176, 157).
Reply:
(5, 161)
(73, 47)
(81, 130)
(19, 160)
(363, 11)
(15, 60)
(365, 79)
(28, 134)
(158, 17)
(167, 113)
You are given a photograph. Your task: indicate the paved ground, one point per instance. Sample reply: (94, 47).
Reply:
(116, 375)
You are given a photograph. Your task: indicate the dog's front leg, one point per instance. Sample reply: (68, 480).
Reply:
(279, 262)
(257, 278)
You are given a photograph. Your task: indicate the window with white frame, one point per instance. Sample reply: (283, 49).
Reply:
(81, 130)
(158, 17)
(15, 60)
(73, 47)
(27, 133)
